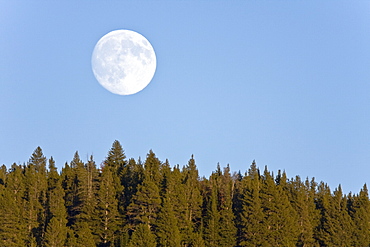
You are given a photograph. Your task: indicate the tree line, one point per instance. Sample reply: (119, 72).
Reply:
(127, 202)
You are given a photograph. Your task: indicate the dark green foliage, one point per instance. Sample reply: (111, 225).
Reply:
(130, 203)
(279, 216)
(143, 237)
(359, 208)
(190, 220)
(107, 209)
(303, 201)
(84, 236)
(56, 218)
(35, 197)
(335, 222)
(56, 232)
(166, 226)
(249, 211)
(145, 203)
(12, 227)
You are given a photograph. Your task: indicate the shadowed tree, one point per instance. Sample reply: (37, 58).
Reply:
(280, 218)
(35, 195)
(359, 209)
(190, 217)
(142, 237)
(107, 210)
(12, 229)
(250, 217)
(166, 226)
(146, 202)
(56, 230)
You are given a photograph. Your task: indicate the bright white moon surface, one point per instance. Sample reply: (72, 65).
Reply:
(123, 62)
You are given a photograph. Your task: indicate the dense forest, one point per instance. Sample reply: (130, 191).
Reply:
(127, 202)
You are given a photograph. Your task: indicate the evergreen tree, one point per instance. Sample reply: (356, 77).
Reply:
(146, 202)
(302, 198)
(87, 187)
(359, 211)
(116, 163)
(12, 229)
(150, 204)
(166, 227)
(116, 159)
(227, 228)
(250, 215)
(132, 176)
(3, 174)
(280, 217)
(142, 237)
(74, 178)
(107, 209)
(56, 230)
(212, 215)
(336, 224)
(84, 236)
(190, 225)
(35, 195)
(70, 191)
(15, 182)
(87, 192)
(79, 188)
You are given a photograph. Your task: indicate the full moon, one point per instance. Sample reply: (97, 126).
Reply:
(123, 62)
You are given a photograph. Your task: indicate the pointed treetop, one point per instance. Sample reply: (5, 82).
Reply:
(116, 156)
(52, 167)
(76, 162)
(38, 160)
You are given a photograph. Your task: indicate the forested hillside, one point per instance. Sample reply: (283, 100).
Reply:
(127, 202)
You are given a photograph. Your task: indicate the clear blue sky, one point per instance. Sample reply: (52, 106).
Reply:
(283, 82)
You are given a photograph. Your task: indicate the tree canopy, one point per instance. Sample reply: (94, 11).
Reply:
(127, 202)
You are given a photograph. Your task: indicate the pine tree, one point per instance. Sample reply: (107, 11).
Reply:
(280, 217)
(56, 230)
(84, 236)
(15, 182)
(143, 237)
(116, 163)
(107, 209)
(190, 217)
(35, 195)
(166, 226)
(86, 219)
(116, 159)
(69, 187)
(211, 215)
(12, 229)
(250, 215)
(74, 184)
(359, 211)
(336, 224)
(146, 202)
(79, 188)
(302, 198)
(87, 187)
(227, 228)
(132, 176)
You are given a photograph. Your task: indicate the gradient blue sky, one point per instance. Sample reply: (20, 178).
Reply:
(283, 82)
